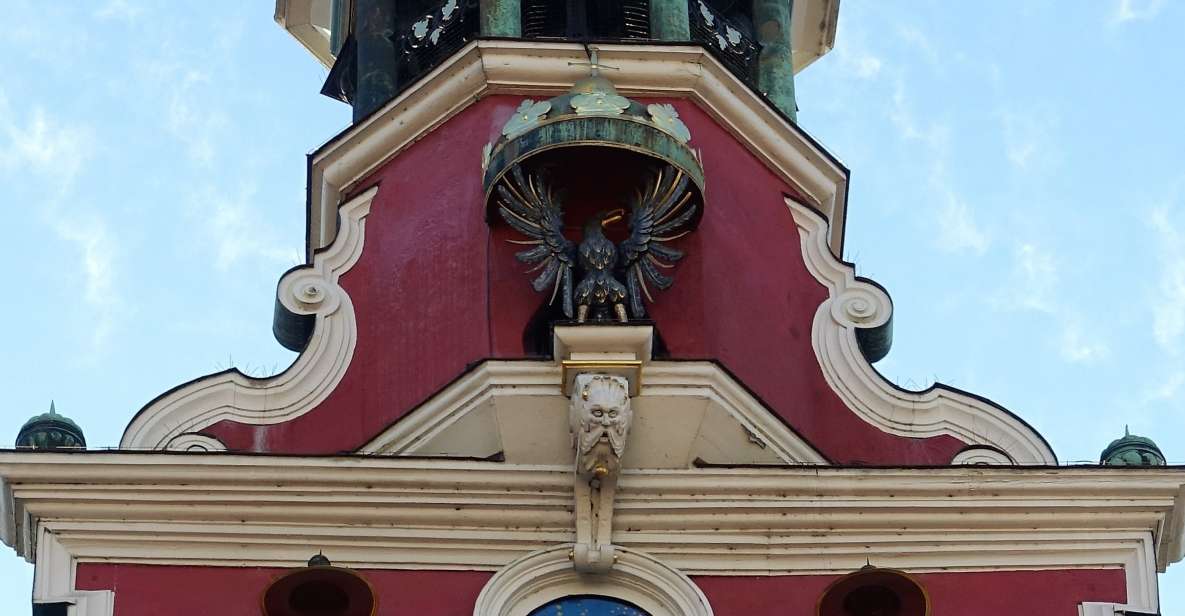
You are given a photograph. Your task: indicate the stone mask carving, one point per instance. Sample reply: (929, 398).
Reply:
(599, 418)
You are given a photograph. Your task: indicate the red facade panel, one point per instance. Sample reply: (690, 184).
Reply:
(436, 290)
(146, 590)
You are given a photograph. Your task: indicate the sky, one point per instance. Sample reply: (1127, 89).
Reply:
(1017, 185)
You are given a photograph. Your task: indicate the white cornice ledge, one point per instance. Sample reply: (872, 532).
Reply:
(245, 510)
(855, 304)
(170, 421)
(547, 69)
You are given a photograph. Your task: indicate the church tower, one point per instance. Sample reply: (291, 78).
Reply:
(574, 338)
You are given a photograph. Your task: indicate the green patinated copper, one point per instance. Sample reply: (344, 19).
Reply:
(775, 66)
(374, 31)
(1132, 450)
(339, 20)
(627, 131)
(570, 121)
(669, 20)
(50, 431)
(501, 18)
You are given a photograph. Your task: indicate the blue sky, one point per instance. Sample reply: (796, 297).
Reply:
(1017, 185)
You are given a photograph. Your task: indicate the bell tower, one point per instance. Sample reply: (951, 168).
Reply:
(377, 48)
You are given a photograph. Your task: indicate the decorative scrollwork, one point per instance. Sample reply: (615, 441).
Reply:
(527, 116)
(430, 28)
(666, 117)
(725, 40)
(859, 307)
(600, 103)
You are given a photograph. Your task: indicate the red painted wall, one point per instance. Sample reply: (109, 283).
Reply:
(145, 590)
(988, 593)
(436, 290)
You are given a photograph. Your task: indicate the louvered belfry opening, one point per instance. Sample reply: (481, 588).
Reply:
(586, 19)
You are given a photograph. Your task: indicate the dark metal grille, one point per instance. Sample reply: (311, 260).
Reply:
(724, 39)
(586, 19)
(434, 37)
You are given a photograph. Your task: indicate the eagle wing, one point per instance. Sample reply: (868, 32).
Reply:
(660, 211)
(530, 207)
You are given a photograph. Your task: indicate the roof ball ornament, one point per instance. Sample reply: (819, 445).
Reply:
(1132, 450)
(602, 151)
(50, 431)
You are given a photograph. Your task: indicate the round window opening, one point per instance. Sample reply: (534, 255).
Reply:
(588, 605)
(875, 592)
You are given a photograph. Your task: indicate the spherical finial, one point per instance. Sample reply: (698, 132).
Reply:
(50, 431)
(1132, 450)
(319, 560)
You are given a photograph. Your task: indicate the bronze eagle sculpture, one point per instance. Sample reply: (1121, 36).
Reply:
(659, 213)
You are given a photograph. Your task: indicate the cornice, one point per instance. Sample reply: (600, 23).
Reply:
(244, 510)
(171, 420)
(854, 304)
(488, 67)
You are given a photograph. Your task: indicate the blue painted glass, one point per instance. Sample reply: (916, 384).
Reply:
(588, 606)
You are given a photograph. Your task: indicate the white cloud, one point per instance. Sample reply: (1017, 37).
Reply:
(920, 41)
(855, 59)
(119, 9)
(44, 145)
(1033, 286)
(957, 229)
(93, 240)
(1136, 10)
(192, 112)
(59, 151)
(1168, 323)
(1035, 275)
(1166, 389)
(1076, 347)
(1027, 136)
(236, 232)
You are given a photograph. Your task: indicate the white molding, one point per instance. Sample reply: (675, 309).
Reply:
(978, 455)
(493, 379)
(54, 581)
(536, 68)
(308, 22)
(243, 510)
(8, 532)
(311, 290)
(1112, 609)
(194, 442)
(544, 576)
(1171, 548)
(853, 304)
(1140, 567)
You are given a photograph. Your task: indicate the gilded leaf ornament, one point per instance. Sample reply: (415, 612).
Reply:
(527, 116)
(666, 117)
(600, 103)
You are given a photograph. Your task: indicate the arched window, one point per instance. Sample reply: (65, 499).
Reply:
(589, 605)
(545, 583)
(875, 592)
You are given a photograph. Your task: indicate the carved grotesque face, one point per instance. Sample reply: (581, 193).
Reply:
(600, 410)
